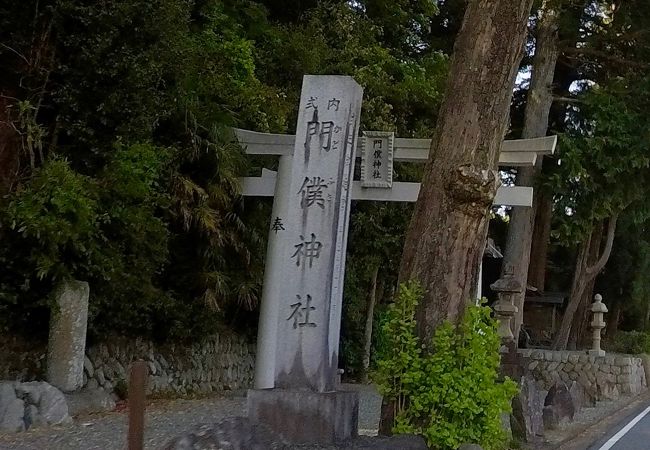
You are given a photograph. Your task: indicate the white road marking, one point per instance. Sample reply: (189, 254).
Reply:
(614, 439)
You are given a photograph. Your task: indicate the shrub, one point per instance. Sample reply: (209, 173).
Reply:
(452, 394)
(55, 215)
(630, 342)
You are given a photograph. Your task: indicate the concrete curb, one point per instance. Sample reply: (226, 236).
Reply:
(584, 437)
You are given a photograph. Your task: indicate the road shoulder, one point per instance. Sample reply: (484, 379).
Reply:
(581, 437)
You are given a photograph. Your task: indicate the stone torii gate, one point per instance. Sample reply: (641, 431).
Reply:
(514, 153)
(300, 315)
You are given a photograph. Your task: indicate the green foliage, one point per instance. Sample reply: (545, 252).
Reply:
(107, 230)
(400, 364)
(400, 92)
(605, 158)
(451, 395)
(375, 243)
(640, 289)
(629, 342)
(120, 110)
(57, 215)
(625, 284)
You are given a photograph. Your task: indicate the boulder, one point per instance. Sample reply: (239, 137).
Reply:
(559, 405)
(30, 391)
(49, 401)
(89, 401)
(88, 367)
(526, 420)
(33, 418)
(578, 395)
(99, 376)
(551, 418)
(92, 384)
(12, 410)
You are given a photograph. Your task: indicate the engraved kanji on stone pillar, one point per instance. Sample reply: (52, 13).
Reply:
(314, 234)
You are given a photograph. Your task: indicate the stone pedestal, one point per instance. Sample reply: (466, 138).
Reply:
(305, 417)
(67, 341)
(511, 362)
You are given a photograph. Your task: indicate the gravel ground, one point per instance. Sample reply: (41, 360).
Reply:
(165, 419)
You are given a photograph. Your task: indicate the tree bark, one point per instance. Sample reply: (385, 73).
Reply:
(370, 315)
(613, 320)
(447, 232)
(583, 274)
(541, 237)
(579, 335)
(538, 105)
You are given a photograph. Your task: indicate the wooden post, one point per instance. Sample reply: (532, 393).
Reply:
(137, 385)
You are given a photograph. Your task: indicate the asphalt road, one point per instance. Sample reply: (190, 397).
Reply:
(632, 433)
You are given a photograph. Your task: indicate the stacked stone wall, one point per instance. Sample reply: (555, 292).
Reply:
(219, 363)
(602, 377)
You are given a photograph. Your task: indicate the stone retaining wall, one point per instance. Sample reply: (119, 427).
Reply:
(603, 377)
(221, 362)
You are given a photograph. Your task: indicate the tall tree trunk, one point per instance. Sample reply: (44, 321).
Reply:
(370, 315)
(446, 236)
(582, 275)
(578, 336)
(613, 320)
(566, 73)
(541, 237)
(538, 106)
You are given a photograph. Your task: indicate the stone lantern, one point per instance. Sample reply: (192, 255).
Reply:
(506, 287)
(598, 309)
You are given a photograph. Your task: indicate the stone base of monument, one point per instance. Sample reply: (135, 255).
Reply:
(305, 417)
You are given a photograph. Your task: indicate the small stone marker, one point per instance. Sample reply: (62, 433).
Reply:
(308, 268)
(67, 340)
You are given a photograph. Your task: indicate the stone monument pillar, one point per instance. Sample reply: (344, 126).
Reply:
(305, 267)
(598, 309)
(67, 341)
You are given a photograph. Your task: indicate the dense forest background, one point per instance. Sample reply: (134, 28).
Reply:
(117, 165)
